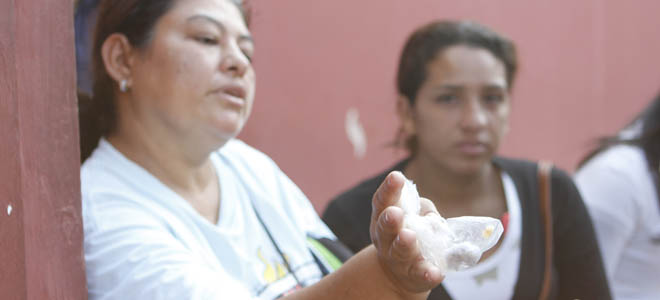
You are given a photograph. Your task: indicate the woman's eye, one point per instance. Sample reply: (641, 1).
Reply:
(446, 98)
(493, 98)
(207, 40)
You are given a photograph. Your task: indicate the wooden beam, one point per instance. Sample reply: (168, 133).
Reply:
(41, 251)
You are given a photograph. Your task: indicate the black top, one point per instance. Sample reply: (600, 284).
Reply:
(577, 271)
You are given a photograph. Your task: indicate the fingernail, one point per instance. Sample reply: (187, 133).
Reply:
(387, 218)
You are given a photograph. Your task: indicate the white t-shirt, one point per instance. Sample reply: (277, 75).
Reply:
(496, 276)
(618, 189)
(143, 241)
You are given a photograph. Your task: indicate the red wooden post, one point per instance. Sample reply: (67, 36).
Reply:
(41, 254)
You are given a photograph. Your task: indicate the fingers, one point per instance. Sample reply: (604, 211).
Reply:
(387, 194)
(426, 272)
(387, 227)
(407, 265)
(389, 191)
(427, 207)
(398, 249)
(404, 248)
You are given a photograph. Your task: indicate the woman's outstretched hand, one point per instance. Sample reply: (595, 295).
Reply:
(398, 252)
(392, 269)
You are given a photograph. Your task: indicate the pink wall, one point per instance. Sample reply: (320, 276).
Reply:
(587, 68)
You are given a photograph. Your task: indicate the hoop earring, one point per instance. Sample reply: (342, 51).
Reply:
(123, 86)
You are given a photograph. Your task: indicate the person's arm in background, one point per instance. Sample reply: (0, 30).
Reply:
(576, 253)
(607, 194)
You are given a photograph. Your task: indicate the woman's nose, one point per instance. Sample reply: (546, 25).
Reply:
(474, 115)
(234, 61)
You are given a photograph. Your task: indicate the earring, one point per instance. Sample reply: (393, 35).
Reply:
(123, 85)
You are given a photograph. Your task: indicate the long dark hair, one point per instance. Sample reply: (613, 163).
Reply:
(648, 138)
(136, 20)
(429, 41)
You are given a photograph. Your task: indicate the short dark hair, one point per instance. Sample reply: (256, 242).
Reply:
(427, 42)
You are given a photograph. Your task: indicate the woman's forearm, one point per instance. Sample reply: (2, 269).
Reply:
(361, 277)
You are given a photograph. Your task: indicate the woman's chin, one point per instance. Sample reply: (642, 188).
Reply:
(228, 124)
(226, 131)
(469, 166)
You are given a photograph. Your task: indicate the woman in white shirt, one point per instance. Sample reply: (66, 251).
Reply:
(619, 183)
(174, 207)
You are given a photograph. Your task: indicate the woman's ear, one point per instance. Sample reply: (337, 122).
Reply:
(406, 114)
(117, 55)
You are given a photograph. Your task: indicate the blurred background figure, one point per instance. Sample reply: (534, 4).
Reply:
(454, 84)
(619, 183)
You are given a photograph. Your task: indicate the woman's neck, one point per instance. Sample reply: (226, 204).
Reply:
(187, 170)
(454, 194)
(179, 158)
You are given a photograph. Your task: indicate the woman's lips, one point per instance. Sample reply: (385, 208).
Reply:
(232, 95)
(232, 100)
(472, 148)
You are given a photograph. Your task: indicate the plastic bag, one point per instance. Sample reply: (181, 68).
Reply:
(450, 244)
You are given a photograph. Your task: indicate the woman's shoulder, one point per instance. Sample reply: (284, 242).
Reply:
(237, 145)
(106, 170)
(112, 186)
(248, 163)
(528, 169)
(616, 179)
(238, 149)
(366, 188)
(259, 175)
(525, 175)
(627, 160)
(515, 165)
(247, 159)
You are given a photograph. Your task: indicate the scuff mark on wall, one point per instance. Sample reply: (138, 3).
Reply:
(355, 133)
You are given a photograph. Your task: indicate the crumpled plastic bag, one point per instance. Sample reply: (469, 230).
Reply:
(452, 244)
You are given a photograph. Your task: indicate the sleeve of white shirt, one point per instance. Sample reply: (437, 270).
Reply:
(608, 193)
(130, 254)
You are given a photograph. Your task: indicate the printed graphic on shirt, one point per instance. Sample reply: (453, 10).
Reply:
(273, 271)
(488, 275)
(276, 278)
